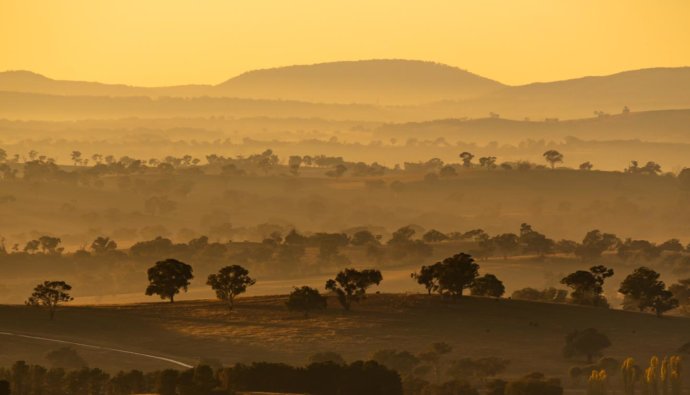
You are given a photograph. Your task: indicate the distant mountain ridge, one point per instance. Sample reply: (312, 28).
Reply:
(385, 82)
(426, 90)
(392, 82)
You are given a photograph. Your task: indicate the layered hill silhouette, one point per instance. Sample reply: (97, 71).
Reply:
(371, 82)
(392, 82)
(400, 90)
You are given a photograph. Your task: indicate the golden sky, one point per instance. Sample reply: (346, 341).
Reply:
(164, 42)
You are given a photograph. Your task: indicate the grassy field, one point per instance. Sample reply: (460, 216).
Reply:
(530, 334)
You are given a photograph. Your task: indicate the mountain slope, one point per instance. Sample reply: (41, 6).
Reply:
(28, 82)
(393, 82)
(373, 81)
(413, 90)
(643, 90)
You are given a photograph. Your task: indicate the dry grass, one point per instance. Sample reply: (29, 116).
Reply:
(529, 334)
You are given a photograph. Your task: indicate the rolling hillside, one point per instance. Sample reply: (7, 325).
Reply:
(386, 82)
(391, 82)
(530, 334)
(399, 90)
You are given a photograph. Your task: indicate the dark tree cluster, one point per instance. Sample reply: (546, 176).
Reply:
(357, 378)
(435, 372)
(453, 275)
(588, 286)
(642, 289)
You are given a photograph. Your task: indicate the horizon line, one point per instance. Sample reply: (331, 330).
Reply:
(104, 82)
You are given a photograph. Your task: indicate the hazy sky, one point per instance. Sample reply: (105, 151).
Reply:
(162, 42)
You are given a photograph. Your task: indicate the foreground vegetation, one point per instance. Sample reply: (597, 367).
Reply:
(530, 335)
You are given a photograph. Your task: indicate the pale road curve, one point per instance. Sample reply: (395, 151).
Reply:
(164, 359)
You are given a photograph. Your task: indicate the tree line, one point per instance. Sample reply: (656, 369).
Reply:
(642, 289)
(361, 377)
(403, 243)
(388, 373)
(37, 167)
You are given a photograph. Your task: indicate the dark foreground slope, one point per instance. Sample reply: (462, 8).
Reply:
(529, 334)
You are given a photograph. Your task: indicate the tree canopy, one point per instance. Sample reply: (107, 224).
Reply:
(50, 294)
(644, 288)
(229, 282)
(168, 277)
(305, 299)
(589, 343)
(350, 285)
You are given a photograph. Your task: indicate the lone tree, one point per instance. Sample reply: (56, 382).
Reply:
(294, 162)
(456, 273)
(488, 285)
(552, 156)
(466, 159)
(644, 288)
(588, 286)
(49, 295)
(167, 277)
(229, 282)
(351, 285)
(586, 166)
(589, 342)
(305, 299)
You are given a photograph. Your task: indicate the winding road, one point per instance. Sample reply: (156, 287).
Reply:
(45, 339)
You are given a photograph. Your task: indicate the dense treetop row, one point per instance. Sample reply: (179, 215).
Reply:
(36, 167)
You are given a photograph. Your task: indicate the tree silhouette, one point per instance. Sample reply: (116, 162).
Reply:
(102, 245)
(434, 236)
(534, 242)
(596, 243)
(49, 295)
(586, 166)
(681, 291)
(305, 299)
(589, 342)
(294, 162)
(76, 158)
(488, 162)
(434, 357)
(229, 282)
(456, 273)
(466, 158)
(167, 277)
(363, 237)
(506, 243)
(428, 277)
(588, 286)
(488, 285)
(49, 245)
(337, 171)
(447, 171)
(647, 291)
(350, 285)
(402, 362)
(553, 157)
